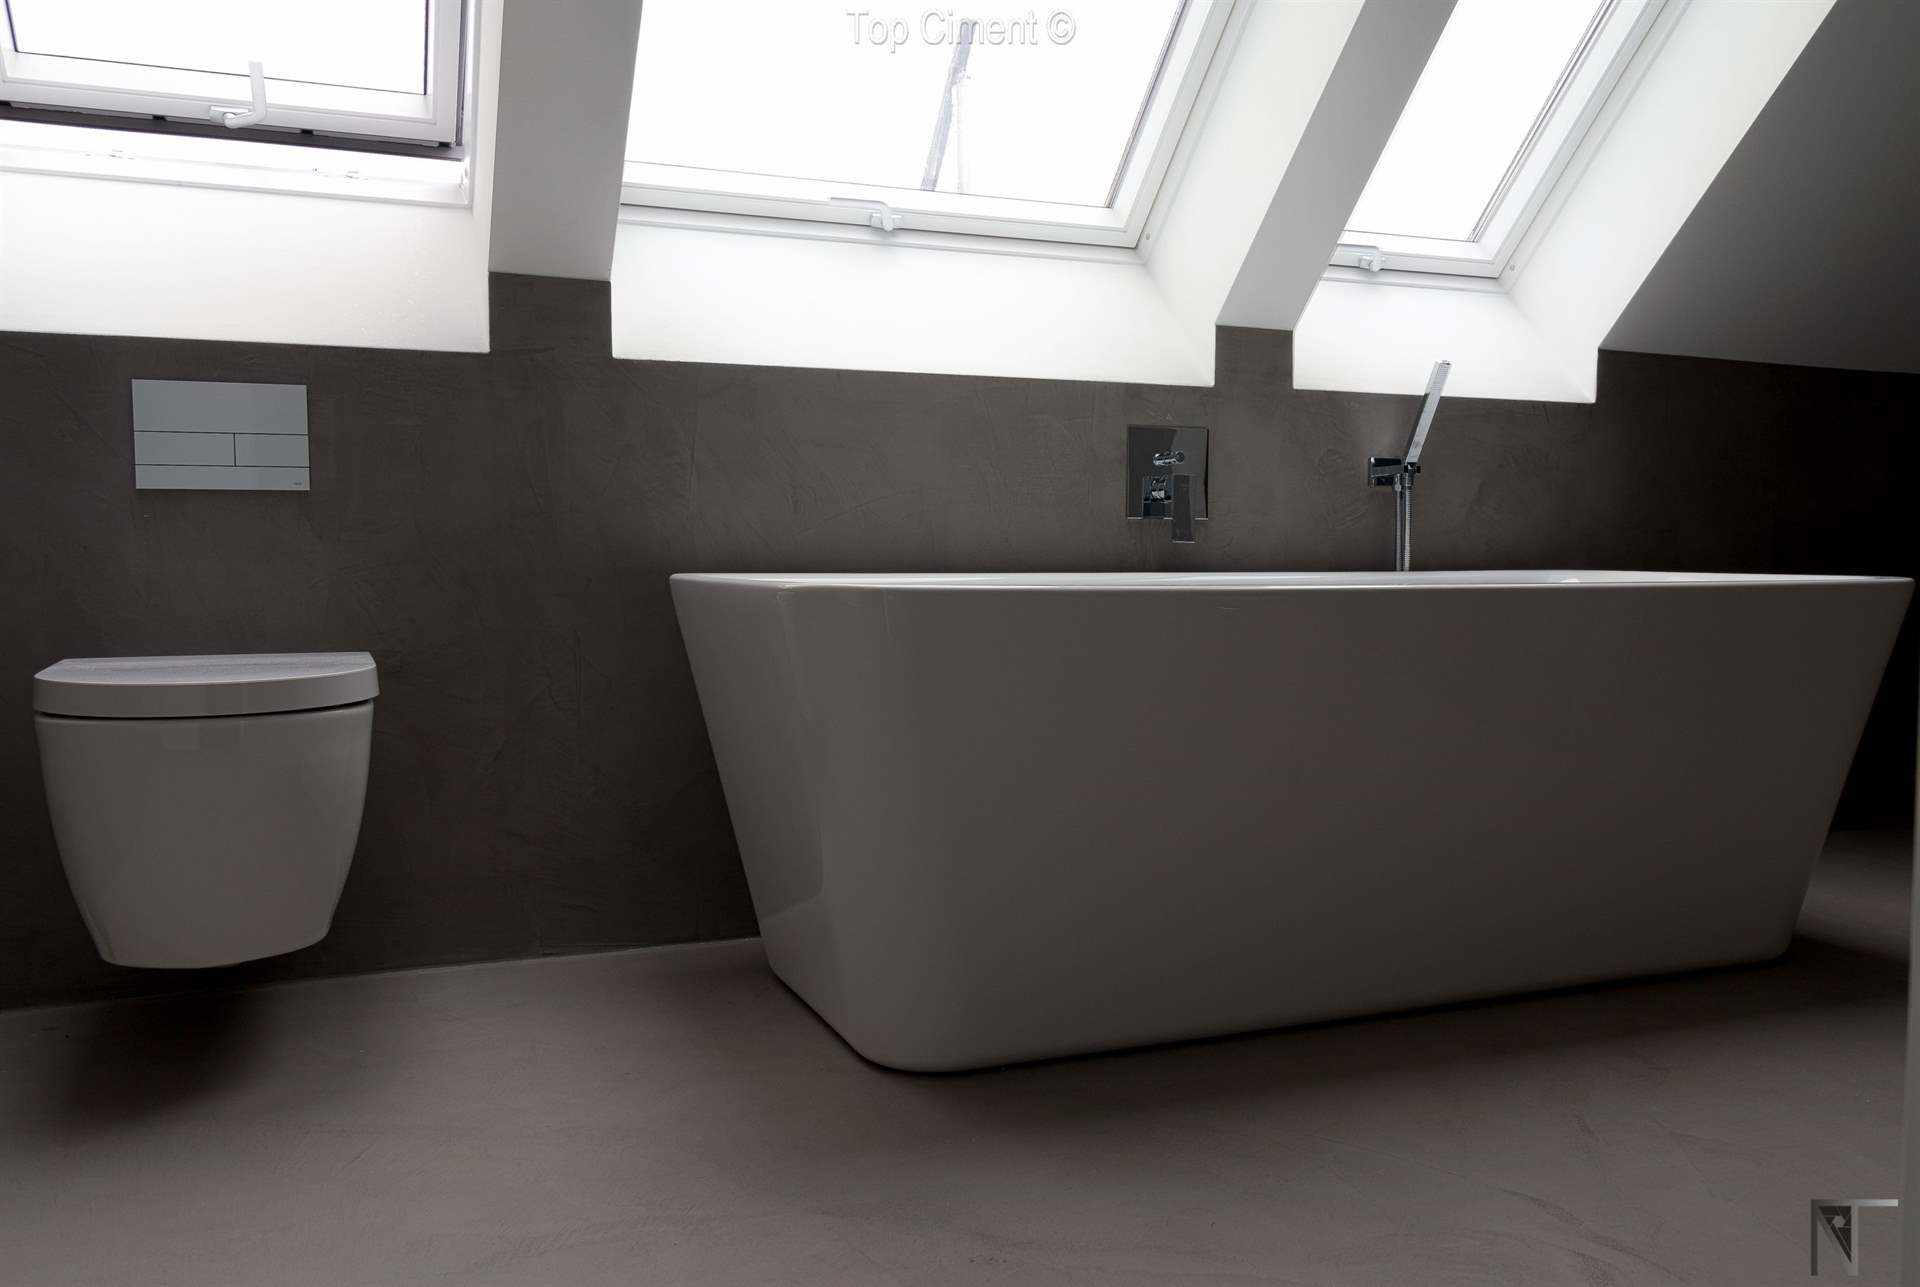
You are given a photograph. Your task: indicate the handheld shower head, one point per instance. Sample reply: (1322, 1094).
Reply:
(1435, 383)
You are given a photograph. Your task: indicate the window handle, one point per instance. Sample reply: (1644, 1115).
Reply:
(879, 214)
(234, 117)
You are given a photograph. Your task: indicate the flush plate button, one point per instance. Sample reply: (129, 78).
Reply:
(212, 435)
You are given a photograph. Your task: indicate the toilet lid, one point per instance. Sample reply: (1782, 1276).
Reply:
(185, 687)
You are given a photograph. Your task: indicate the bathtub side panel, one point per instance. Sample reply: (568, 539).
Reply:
(1111, 819)
(1001, 824)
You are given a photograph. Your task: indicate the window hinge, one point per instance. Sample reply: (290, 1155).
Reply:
(234, 117)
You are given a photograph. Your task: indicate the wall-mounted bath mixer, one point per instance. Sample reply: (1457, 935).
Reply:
(1398, 472)
(1167, 475)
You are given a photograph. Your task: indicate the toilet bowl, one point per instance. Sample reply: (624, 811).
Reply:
(206, 808)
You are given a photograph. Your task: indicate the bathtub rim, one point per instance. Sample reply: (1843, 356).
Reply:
(1469, 579)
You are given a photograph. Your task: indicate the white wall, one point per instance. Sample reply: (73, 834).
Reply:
(99, 257)
(1359, 337)
(708, 295)
(102, 256)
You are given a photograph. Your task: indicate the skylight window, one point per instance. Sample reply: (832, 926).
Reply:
(1509, 96)
(1051, 125)
(385, 69)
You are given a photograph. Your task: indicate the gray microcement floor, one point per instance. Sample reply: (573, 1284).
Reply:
(676, 1116)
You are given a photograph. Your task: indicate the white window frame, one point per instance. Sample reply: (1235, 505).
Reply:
(125, 89)
(1196, 44)
(1569, 126)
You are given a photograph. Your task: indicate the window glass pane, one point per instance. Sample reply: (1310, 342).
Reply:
(1490, 77)
(1044, 104)
(367, 44)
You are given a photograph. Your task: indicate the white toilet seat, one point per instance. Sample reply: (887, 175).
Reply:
(232, 684)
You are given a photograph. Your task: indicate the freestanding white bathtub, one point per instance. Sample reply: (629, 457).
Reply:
(995, 818)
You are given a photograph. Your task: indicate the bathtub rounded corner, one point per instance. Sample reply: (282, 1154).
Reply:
(905, 1057)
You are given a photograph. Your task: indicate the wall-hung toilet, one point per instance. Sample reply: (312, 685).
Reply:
(206, 808)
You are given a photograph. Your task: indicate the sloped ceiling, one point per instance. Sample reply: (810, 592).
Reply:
(1806, 248)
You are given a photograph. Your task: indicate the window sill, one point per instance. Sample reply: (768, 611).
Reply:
(76, 151)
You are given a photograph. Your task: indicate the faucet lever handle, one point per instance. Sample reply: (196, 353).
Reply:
(1183, 509)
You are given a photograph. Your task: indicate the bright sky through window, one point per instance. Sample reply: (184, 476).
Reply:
(366, 44)
(1044, 106)
(1492, 73)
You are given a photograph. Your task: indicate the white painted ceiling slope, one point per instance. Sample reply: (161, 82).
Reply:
(1804, 250)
